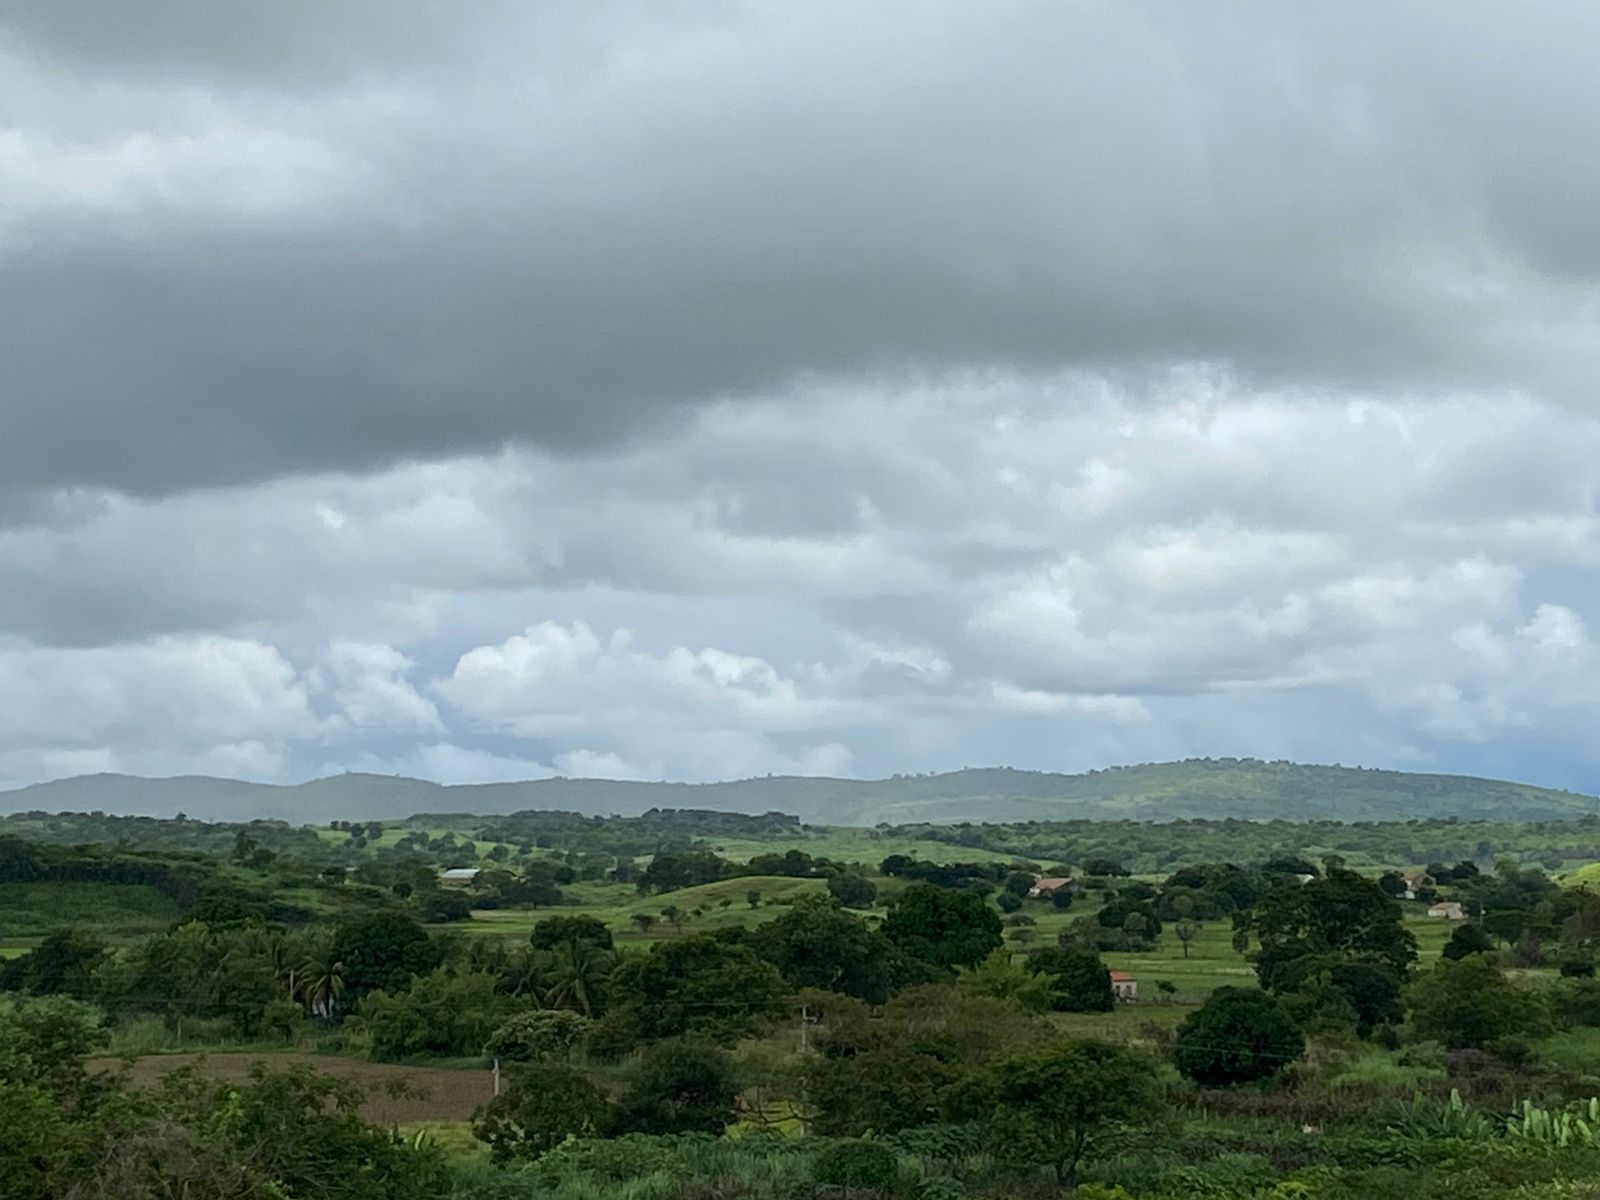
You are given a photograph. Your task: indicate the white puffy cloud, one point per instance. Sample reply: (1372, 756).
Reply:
(556, 679)
(185, 692)
(443, 762)
(368, 684)
(991, 555)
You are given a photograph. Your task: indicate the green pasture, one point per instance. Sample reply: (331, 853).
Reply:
(392, 833)
(846, 844)
(710, 906)
(1585, 876)
(840, 843)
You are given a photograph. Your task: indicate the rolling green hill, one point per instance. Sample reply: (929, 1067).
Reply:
(1216, 788)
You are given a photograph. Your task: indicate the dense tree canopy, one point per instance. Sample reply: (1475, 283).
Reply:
(383, 951)
(853, 891)
(816, 944)
(1306, 929)
(702, 984)
(1468, 939)
(949, 928)
(544, 1103)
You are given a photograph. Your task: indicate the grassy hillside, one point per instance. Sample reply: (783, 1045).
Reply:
(1216, 788)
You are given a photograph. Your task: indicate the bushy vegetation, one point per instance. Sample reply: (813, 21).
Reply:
(683, 1024)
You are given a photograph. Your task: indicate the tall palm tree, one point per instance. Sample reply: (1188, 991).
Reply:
(526, 973)
(283, 959)
(320, 975)
(578, 971)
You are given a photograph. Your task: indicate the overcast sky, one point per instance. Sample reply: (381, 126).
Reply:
(697, 390)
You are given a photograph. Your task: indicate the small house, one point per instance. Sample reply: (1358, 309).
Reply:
(458, 877)
(1049, 885)
(1124, 987)
(1415, 881)
(1448, 910)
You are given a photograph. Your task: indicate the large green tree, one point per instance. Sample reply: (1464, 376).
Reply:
(382, 951)
(1239, 1035)
(442, 1014)
(944, 926)
(548, 1034)
(853, 891)
(817, 944)
(551, 932)
(681, 1086)
(706, 985)
(1466, 939)
(1469, 1003)
(577, 974)
(1078, 980)
(1053, 1102)
(1305, 930)
(63, 964)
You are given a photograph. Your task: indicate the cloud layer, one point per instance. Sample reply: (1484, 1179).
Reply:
(664, 393)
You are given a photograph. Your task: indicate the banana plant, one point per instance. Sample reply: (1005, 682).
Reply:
(1577, 1124)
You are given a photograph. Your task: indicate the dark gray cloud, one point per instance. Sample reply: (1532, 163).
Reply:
(700, 390)
(313, 237)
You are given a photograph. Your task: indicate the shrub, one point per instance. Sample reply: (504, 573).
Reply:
(544, 1105)
(682, 1087)
(1468, 1004)
(1577, 966)
(529, 1036)
(858, 1163)
(1239, 1035)
(1467, 939)
(853, 891)
(612, 1160)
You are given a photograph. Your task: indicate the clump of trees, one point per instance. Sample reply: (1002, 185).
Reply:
(77, 1135)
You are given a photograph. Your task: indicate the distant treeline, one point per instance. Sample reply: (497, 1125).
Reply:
(659, 830)
(195, 883)
(1146, 846)
(178, 834)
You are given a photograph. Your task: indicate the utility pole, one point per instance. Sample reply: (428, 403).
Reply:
(497, 1075)
(805, 1019)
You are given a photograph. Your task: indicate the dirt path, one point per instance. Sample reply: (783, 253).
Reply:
(395, 1094)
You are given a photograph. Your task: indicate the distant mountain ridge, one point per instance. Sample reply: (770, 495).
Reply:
(1246, 789)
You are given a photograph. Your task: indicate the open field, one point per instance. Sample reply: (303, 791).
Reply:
(396, 1094)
